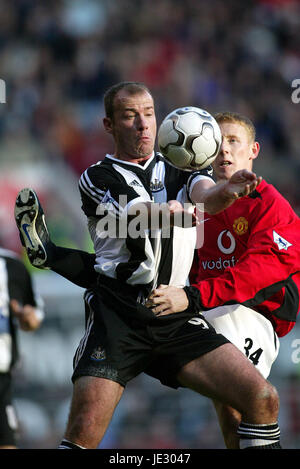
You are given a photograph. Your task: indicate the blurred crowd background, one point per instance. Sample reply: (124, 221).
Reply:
(57, 58)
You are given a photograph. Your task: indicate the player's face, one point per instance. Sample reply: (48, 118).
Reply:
(237, 151)
(133, 126)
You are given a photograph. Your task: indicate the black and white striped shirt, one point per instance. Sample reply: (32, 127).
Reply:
(108, 188)
(15, 283)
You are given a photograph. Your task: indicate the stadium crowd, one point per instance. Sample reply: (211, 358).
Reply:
(58, 57)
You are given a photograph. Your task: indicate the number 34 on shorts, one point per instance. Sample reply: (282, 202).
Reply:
(251, 352)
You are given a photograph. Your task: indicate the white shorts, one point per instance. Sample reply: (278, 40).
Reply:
(249, 331)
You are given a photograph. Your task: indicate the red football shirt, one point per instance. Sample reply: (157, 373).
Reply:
(251, 255)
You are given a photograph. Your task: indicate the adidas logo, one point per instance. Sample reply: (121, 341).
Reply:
(135, 183)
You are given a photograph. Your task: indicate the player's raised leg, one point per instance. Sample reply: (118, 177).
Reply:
(226, 375)
(73, 264)
(30, 220)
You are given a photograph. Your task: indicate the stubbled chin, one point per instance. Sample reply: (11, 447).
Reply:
(145, 149)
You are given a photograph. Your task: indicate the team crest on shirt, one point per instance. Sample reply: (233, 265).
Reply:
(98, 354)
(156, 185)
(280, 241)
(240, 225)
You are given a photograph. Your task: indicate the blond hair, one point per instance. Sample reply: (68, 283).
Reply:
(236, 118)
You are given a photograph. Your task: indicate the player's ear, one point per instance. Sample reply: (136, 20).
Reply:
(107, 122)
(255, 148)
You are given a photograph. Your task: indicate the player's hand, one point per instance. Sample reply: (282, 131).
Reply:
(182, 216)
(164, 215)
(242, 183)
(26, 316)
(167, 300)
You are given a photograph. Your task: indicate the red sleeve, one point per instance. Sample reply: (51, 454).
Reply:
(271, 257)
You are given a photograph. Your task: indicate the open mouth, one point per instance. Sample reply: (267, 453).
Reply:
(225, 163)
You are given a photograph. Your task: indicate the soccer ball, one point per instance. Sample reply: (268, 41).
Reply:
(189, 138)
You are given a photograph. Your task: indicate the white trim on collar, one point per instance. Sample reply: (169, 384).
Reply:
(145, 166)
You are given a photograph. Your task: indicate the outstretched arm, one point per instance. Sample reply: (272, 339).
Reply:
(217, 197)
(272, 245)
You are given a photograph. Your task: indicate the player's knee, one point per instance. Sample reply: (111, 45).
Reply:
(268, 399)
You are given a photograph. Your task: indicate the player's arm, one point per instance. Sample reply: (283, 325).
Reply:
(109, 199)
(267, 265)
(156, 216)
(245, 283)
(217, 197)
(29, 316)
(269, 262)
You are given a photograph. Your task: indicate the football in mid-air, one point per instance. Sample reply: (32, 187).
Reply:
(189, 138)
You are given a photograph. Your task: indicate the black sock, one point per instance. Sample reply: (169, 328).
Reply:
(72, 264)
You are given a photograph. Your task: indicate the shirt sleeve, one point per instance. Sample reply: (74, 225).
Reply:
(103, 191)
(270, 259)
(196, 176)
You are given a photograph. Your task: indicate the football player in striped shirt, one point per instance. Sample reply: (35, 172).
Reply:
(124, 337)
(20, 307)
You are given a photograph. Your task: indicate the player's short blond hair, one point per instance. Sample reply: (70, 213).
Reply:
(234, 117)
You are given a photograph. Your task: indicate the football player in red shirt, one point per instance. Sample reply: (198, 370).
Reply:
(246, 277)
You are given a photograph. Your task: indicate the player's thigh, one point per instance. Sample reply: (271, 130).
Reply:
(224, 374)
(97, 395)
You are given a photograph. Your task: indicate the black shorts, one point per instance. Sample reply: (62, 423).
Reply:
(119, 349)
(8, 420)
